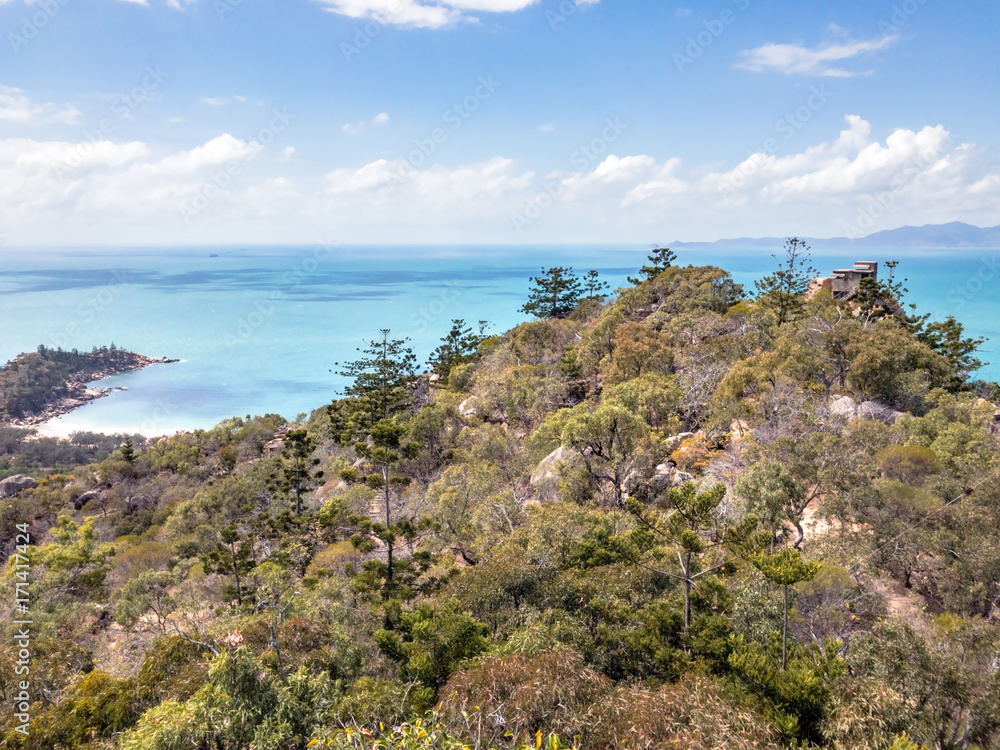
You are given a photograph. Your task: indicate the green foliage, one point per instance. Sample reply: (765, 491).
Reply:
(554, 294)
(31, 382)
(784, 290)
(295, 473)
(381, 377)
(660, 260)
(429, 642)
(593, 287)
(460, 346)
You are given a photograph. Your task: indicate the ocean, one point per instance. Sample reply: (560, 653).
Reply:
(262, 329)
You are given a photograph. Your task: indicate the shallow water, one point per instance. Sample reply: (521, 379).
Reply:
(260, 330)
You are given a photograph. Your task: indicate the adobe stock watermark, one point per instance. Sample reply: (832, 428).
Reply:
(882, 202)
(91, 308)
(163, 410)
(961, 294)
(786, 126)
(455, 116)
(224, 7)
(364, 35)
(31, 26)
(264, 309)
(713, 29)
(21, 626)
(433, 310)
(220, 180)
(900, 17)
(567, 8)
(552, 189)
(122, 107)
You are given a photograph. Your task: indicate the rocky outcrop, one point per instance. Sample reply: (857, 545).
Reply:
(139, 502)
(86, 497)
(668, 475)
(470, 407)
(849, 409)
(672, 443)
(79, 394)
(545, 477)
(15, 485)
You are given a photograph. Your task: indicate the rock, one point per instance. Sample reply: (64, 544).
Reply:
(674, 442)
(86, 497)
(138, 502)
(880, 412)
(668, 475)
(847, 407)
(844, 406)
(469, 408)
(545, 477)
(433, 377)
(15, 485)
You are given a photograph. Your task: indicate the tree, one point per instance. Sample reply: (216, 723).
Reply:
(295, 466)
(554, 294)
(659, 261)
(234, 556)
(784, 290)
(458, 347)
(593, 287)
(785, 568)
(608, 438)
(948, 339)
(381, 377)
(128, 451)
(383, 451)
(686, 520)
(881, 299)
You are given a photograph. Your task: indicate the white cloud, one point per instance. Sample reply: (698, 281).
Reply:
(212, 101)
(682, 12)
(357, 128)
(420, 15)
(18, 108)
(546, 127)
(796, 59)
(920, 175)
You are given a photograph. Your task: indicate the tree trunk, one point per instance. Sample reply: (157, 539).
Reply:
(388, 525)
(784, 633)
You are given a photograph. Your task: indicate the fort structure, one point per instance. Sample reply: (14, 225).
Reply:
(845, 282)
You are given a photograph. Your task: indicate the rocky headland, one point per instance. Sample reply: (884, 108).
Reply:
(39, 386)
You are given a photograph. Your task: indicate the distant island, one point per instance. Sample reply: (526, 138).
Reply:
(954, 235)
(47, 383)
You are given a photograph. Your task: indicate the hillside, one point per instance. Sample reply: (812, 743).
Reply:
(955, 235)
(38, 386)
(687, 516)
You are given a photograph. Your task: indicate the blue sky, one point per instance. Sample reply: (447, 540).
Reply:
(492, 121)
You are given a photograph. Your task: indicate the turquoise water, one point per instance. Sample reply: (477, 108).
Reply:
(260, 330)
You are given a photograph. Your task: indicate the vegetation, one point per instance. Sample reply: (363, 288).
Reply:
(31, 382)
(677, 517)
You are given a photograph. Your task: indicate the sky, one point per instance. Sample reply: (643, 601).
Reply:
(192, 122)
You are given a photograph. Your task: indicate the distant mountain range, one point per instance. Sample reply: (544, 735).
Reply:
(955, 235)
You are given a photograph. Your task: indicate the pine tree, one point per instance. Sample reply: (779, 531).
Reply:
(382, 377)
(785, 568)
(383, 450)
(660, 260)
(458, 347)
(295, 467)
(555, 293)
(784, 290)
(593, 287)
(128, 451)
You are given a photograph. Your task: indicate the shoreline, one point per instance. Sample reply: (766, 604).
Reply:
(80, 394)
